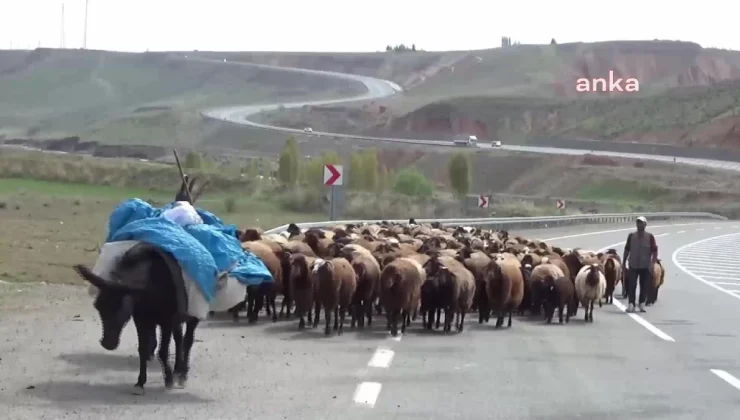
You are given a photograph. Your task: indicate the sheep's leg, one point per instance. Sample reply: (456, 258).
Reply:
(599, 303)
(327, 315)
(369, 312)
(407, 318)
(342, 316)
(590, 311)
(273, 302)
(393, 321)
(448, 320)
(499, 319)
(355, 312)
(462, 322)
(336, 318)
(439, 315)
(317, 314)
(508, 324)
(404, 317)
(302, 322)
(560, 313)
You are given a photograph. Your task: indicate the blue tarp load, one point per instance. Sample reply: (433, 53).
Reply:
(203, 250)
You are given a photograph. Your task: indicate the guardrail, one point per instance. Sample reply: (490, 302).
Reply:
(526, 222)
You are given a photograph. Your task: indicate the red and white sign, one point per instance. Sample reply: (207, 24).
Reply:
(333, 175)
(483, 201)
(560, 204)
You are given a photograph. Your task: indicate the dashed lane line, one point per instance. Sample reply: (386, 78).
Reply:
(727, 377)
(367, 393)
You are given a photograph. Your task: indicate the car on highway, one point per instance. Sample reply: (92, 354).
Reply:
(496, 143)
(469, 141)
(308, 130)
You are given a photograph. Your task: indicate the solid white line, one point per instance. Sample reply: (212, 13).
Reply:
(367, 393)
(700, 230)
(722, 278)
(622, 243)
(682, 268)
(640, 320)
(620, 230)
(382, 358)
(681, 231)
(725, 283)
(727, 377)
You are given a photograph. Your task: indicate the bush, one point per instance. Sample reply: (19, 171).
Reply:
(413, 183)
(230, 204)
(459, 173)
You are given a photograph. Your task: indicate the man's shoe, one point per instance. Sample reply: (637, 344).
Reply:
(642, 307)
(631, 308)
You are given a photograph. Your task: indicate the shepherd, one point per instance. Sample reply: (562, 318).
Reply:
(640, 253)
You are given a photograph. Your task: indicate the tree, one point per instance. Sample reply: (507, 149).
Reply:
(288, 163)
(413, 183)
(459, 172)
(370, 169)
(413, 47)
(388, 48)
(192, 161)
(356, 172)
(552, 42)
(383, 179)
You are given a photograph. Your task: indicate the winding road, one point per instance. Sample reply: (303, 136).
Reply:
(677, 361)
(378, 88)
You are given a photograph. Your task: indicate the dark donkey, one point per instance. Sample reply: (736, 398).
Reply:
(147, 284)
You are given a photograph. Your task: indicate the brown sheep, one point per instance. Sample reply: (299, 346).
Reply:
(476, 263)
(303, 287)
(265, 291)
(368, 285)
(612, 268)
(455, 289)
(299, 247)
(559, 293)
(505, 288)
(658, 277)
(400, 288)
(537, 283)
(337, 284)
(320, 246)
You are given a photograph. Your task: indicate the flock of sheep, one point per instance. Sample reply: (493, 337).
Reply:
(404, 270)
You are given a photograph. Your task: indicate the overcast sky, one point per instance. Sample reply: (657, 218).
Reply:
(345, 25)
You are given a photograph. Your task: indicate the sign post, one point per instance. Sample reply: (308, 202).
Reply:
(333, 177)
(483, 201)
(561, 205)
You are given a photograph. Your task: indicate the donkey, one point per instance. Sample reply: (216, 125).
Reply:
(147, 284)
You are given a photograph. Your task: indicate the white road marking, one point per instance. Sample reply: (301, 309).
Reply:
(621, 230)
(700, 230)
(640, 320)
(727, 377)
(622, 243)
(703, 269)
(681, 231)
(382, 358)
(367, 393)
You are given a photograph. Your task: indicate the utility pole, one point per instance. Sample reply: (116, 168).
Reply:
(84, 36)
(62, 25)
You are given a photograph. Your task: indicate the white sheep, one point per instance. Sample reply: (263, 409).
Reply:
(590, 287)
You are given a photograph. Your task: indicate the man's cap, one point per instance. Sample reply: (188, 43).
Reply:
(642, 219)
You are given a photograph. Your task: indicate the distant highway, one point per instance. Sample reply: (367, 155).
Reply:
(378, 88)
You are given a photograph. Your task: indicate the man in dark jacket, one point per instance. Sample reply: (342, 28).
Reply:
(640, 251)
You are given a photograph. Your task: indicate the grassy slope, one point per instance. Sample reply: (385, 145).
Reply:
(126, 98)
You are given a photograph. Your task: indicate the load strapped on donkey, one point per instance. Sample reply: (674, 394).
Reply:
(165, 267)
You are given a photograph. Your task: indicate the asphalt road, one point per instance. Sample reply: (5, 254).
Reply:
(677, 361)
(379, 88)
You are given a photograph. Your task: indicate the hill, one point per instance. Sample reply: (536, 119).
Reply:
(688, 96)
(122, 98)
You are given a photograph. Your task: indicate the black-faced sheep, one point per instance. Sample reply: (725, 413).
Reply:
(590, 287)
(559, 293)
(337, 284)
(505, 288)
(400, 290)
